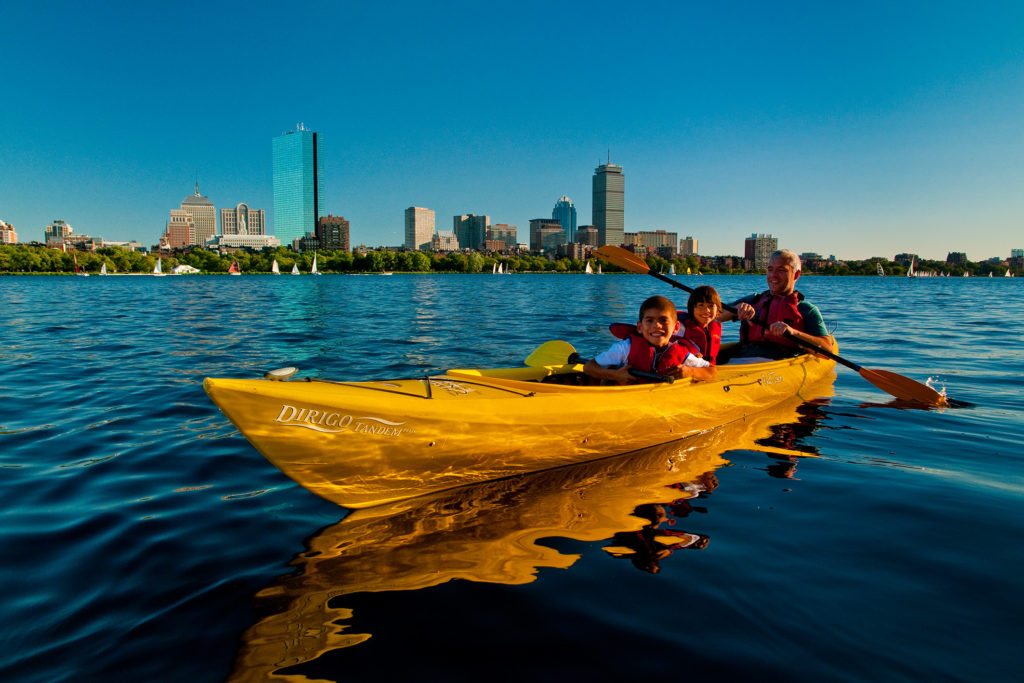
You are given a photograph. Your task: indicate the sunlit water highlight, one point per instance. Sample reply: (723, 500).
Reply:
(144, 538)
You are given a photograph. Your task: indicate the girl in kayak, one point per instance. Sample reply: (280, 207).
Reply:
(701, 326)
(650, 348)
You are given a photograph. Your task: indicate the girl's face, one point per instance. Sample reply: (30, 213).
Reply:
(704, 312)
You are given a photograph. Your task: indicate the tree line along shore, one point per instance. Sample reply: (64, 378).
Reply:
(41, 260)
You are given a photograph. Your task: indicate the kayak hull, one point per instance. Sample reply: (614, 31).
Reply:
(361, 444)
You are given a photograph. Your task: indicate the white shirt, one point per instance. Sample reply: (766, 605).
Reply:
(617, 355)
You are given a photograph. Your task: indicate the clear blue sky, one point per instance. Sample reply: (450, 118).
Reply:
(855, 129)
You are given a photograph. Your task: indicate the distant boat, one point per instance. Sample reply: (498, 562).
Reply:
(103, 268)
(78, 271)
(274, 268)
(383, 272)
(295, 269)
(688, 270)
(1008, 273)
(599, 272)
(672, 269)
(881, 271)
(910, 270)
(313, 270)
(234, 269)
(990, 273)
(501, 269)
(588, 270)
(158, 269)
(494, 269)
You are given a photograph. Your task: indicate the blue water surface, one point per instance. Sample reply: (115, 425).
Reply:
(143, 537)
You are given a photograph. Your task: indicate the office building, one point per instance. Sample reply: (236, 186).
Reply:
(332, 232)
(565, 213)
(545, 235)
(56, 232)
(204, 216)
(180, 231)
(501, 236)
(444, 240)
(609, 204)
(660, 241)
(242, 220)
(7, 233)
(298, 184)
(757, 250)
(419, 227)
(587, 234)
(471, 230)
(688, 246)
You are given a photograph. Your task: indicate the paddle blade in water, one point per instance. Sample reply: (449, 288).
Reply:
(903, 388)
(555, 352)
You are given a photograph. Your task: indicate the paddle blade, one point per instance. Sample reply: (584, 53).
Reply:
(555, 352)
(903, 388)
(623, 258)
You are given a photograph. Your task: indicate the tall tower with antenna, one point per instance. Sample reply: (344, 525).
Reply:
(609, 203)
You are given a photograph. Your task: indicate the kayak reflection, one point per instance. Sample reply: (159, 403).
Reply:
(491, 532)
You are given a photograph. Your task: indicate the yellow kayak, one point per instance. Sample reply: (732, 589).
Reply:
(361, 444)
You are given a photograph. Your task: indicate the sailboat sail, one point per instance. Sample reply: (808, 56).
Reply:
(274, 268)
(234, 269)
(589, 270)
(295, 269)
(910, 270)
(103, 269)
(158, 268)
(599, 269)
(672, 269)
(313, 270)
(881, 271)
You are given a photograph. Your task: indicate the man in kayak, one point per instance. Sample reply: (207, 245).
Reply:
(784, 311)
(650, 348)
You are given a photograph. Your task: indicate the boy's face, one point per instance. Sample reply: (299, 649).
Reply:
(657, 326)
(704, 312)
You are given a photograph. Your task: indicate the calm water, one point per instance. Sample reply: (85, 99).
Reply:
(143, 537)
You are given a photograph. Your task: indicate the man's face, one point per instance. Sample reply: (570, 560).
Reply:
(781, 278)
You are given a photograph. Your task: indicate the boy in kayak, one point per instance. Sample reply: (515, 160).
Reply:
(650, 348)
(784, 311)
(701, 326)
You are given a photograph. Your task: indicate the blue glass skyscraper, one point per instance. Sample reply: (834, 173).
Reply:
(565, 213)
(298, 184)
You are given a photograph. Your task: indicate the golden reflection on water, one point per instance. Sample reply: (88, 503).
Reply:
(489, 532)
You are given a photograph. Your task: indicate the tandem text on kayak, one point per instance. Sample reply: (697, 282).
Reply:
(333, 423)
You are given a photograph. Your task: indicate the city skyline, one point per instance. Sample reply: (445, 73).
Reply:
(858, 131)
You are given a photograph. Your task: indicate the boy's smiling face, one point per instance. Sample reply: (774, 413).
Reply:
(657, 326)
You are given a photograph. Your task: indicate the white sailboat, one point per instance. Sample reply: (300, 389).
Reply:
(910, 270)
(599, 269)
(672, 269)
(1008, 273)
(313, 270)
(881, 271)
(103, 268)
(494, 269)
(274, 268)
(158, 269)
(588, 270)
(501, 269)
(295, 269)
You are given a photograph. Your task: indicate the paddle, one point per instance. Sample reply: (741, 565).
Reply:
(558, 352)
(899, 386)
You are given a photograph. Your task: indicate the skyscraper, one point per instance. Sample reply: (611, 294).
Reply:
(565, 213)
(7, 234)
(688, 246)
(419, 227)
(609, 203)
(298, 184)
(757, 249)
(471, 230)
(204, 216)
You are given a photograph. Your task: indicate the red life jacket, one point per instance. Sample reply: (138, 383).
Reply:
(625, 330)
(707, 340)
(644, 356)
(773, 309)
